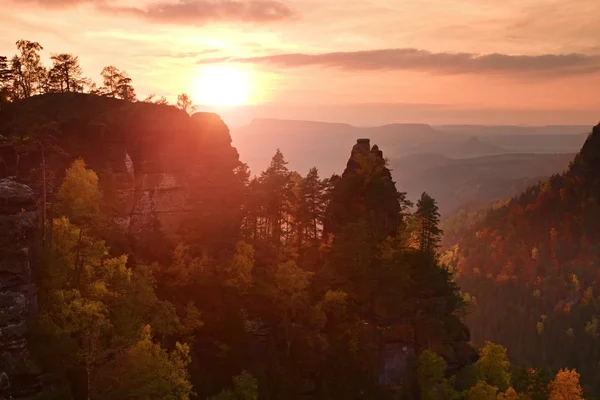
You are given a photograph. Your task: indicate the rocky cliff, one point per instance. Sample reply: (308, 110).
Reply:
(150, 152)
(18, 220)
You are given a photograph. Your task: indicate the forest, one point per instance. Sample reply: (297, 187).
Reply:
(289, 286)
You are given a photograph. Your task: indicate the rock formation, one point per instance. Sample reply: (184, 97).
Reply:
(18, 220)
(152, 153)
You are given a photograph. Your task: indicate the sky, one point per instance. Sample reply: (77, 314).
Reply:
(362, 62)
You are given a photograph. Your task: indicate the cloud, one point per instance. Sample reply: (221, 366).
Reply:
(440, 63)
(192, 12)
(199, 12)
(59, 3)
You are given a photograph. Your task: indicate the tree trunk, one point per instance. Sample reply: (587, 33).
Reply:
(79, 381)
(44, 198)
(51, 228)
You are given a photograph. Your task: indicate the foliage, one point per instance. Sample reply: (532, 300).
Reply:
(565, 386)
(428, 220)
(79, 192)
(537, 255)
(245, 387)
(308, 283)
(147, 371)
(494, 366)
(185, 103)
(431, 377)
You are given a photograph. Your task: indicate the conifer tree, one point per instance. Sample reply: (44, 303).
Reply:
(310, 210)
(429, 219)
(276, 183)
(66, 74)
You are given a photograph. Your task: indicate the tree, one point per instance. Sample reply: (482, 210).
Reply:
(310, 208)
(147, 371)
(494, 366)
(565, 386)
(6, 79)
(161, 100)
(245, 387)
(238, 272)
(276, 183)
(65, 74)
(431, 377)
(28, 73)
(42, 139)
(510, 394)
(481, 391)
(185, 103)
(429, 219)
(79, 191)
(117, 84)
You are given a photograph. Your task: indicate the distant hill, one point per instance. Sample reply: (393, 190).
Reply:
(503, 130)
(473, 181)
(308, 143)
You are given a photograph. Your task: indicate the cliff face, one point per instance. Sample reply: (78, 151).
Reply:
(18, 219)
(151, 152)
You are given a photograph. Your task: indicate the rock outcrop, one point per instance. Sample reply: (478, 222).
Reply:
(150, 153)
(18, 221)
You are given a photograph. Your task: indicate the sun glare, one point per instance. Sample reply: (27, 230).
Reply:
(222, 85)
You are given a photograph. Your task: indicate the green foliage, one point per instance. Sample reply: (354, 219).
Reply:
(482, 391)
(431, 377)
(147, 371)
(494, 366)
(79, 192)
(428, 218)
(245, 387)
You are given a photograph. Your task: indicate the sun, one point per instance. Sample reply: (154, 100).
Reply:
(222, 85)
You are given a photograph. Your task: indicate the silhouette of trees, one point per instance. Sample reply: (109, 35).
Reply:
(28, 73)
(428, 218)
(117, 84)
(185, 103)
(66, 74)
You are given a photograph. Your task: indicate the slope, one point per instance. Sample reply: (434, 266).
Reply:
(532, 270)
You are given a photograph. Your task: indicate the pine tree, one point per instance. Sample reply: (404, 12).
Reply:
(276, 182)
(310, 208)
(429, 219)
(66, 74)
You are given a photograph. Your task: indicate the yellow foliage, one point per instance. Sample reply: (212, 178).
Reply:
(79, 191)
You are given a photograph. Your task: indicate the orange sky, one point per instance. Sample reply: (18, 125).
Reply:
(364, 62)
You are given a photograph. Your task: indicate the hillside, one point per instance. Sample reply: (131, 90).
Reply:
(277, 285)
(473, 181)
(532, 270)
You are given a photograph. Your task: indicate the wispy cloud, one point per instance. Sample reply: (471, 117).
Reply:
(200, 12)
(59, 3)
(189, 12)
(441, 63)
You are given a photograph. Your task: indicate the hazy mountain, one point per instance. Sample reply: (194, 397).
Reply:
(456, 164)
(457, 182)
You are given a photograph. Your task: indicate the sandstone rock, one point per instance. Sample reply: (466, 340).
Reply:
(17, 290)
(151, 151)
